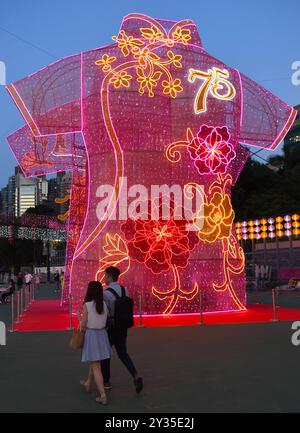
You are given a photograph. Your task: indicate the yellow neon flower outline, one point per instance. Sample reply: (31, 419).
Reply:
(172, 87)
(105, 62)
(121, 79)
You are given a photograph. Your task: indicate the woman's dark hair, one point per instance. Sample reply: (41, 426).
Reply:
(95, 293)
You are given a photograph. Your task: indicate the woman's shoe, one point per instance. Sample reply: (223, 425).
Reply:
(139, 385)
(102, 400)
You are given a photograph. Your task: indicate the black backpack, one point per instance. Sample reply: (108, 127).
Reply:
(123, 317)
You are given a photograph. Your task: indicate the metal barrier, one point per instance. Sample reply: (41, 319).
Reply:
(140, 312)
(12, 329)
(70, 312)
(20, 301)
(275, 301)
(201, 308)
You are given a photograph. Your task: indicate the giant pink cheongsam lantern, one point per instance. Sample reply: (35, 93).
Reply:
(153, 108)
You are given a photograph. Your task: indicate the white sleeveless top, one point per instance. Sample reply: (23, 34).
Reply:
(95, 320)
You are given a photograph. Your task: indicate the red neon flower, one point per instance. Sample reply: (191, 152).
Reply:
(211, 150)
(159, 244)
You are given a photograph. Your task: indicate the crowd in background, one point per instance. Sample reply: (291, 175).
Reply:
(10, 281)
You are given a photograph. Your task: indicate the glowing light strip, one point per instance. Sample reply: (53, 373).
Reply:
(285, 129)
(118, 157)
(22, 108)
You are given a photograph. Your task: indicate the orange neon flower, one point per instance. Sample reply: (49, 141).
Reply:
(122, 79)
(175, 59)
(172, 87)
(216, 218)
(144, 56)
(105, 62)
(147, 82)
(182, 35)
(125, 43)
(152, 34)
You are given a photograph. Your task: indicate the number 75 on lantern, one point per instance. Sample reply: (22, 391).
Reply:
(215, 80)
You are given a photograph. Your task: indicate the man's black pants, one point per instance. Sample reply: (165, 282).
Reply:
(118, 338)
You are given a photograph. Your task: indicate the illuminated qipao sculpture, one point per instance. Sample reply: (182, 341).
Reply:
(155, 108)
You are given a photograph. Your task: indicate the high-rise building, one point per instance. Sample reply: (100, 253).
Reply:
(28, 192)
(4, 201)
(22, 193)
(42, 189)
(59, 187)
(11, 193)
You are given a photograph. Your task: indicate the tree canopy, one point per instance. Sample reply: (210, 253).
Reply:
(269, 189)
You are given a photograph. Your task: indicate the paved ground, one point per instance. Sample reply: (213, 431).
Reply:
(247, 368)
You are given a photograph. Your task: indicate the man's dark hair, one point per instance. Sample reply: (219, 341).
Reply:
(113, 272)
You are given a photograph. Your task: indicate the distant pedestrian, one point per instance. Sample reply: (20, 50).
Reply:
(56, 282)
(28, 281)
(20, 281)
(10, 291)
(37, 281)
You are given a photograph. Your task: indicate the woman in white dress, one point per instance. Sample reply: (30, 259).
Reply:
(96, 344)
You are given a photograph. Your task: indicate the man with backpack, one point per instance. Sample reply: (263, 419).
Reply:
(120, 307)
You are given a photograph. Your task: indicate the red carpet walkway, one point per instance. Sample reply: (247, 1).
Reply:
(49, 316)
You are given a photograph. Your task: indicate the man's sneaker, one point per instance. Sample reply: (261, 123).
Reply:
(139, 385)
(107, 386)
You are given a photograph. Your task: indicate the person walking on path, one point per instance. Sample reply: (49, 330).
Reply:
(10, 291)
(117, 335)
(28, 281)
(96, 343)
(20, 281)
(57, 282)
(37, 281)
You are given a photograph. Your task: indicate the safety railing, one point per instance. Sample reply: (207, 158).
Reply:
(201, 322)
(20, 302)
(272, 298)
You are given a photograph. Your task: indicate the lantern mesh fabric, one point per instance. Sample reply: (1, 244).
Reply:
(120, 112)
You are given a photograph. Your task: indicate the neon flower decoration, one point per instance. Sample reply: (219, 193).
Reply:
(211, 150)
(152, 107)
(160, 244)
(217, 218)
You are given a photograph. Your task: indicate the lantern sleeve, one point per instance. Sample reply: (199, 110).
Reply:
(50, 100)
(40, 155)
(265, 118)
